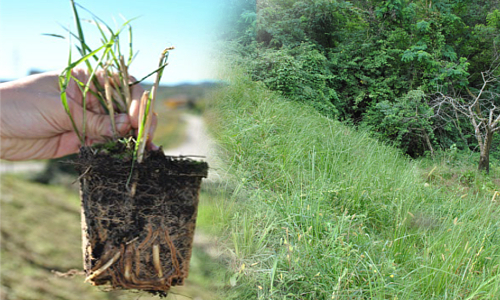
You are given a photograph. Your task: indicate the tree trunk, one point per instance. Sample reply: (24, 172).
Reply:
(428, 141)
(484, 163)
(484, 158)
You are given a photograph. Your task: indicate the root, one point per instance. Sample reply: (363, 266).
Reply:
(99, 271)
(127, 273)
(156, 260)
(133, 189)
(173, 253)
(144, 255)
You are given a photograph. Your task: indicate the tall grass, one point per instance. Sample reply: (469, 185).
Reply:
(322, 211)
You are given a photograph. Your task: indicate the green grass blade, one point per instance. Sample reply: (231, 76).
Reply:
(113, 38)
(105, 24)
(130, 48)
(79, 29)
(95, 93)
(97, 19)
(87, 87)
(64, 79)
(80, 50)
(54, 35)
(103, 34)
(84, 88)
(64, 99)
(63, 84)
(147, 76)
(87, 57)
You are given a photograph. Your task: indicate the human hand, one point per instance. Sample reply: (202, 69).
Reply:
(34, 124)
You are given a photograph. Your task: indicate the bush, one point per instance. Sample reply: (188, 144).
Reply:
(301, 74)
(405, 122)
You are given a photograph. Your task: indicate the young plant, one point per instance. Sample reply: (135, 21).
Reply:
(114, 92)
(137, 232)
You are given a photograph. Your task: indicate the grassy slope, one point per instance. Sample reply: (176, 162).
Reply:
(321, 211)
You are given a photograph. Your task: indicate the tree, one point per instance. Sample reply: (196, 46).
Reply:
(363, 60)
(481, 107)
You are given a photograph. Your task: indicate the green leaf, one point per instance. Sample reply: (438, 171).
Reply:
(131, 52)
(81, 36)
(54, 35)
(88, 56)
(423, 26)
(145, 77)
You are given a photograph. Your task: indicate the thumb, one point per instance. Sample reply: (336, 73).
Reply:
(99, 125)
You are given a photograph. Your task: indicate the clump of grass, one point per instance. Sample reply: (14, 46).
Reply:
(114, 94)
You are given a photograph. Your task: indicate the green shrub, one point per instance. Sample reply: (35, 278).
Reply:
(301, 74)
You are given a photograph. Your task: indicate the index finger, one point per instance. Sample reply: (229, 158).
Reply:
(136, 93)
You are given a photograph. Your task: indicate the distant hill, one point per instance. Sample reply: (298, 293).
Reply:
(191, 91)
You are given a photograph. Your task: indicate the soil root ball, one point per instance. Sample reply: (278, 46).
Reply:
(138, 220)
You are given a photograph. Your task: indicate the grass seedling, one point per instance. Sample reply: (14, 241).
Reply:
(114, 94)
(137, 230)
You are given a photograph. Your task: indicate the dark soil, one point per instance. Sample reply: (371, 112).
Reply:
(138, 220)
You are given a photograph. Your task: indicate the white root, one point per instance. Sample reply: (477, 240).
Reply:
(133, 189)
(156, 260)
(128, 266)
(99, 271)
(132, 240)
(128, 260)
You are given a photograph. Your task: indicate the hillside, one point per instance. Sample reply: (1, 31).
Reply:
(319, 210)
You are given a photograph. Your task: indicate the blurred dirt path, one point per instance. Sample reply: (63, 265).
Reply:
(21, 167)
(197, 140)
(198, 145)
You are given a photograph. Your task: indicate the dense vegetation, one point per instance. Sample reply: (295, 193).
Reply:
(318, 210)
(384, 65)
(320, 205)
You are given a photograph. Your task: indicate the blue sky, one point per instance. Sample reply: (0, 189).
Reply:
(189, 25)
